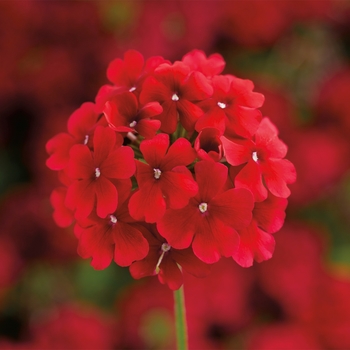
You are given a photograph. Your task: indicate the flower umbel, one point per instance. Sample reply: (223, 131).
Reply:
(172, 168)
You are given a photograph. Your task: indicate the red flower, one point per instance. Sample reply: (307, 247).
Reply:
(256, 241)
(262, 159)
(115, 237)
(198, 61)
(232, 107)
(178, 91)
(164, 181)
(164, 260)
(123, 114)
(127, 75)
(208, 145)
(81, 125)
(93, 173)
(211, 218)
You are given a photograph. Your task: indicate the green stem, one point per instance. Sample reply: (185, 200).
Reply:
(180, 319)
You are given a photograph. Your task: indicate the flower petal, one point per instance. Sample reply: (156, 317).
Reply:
(130, 245)
(107, 197)
(233, 207)
(154, 150)
(254, 244)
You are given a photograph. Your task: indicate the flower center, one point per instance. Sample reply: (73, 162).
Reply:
(86, 140)
(157, 173)
(97, 172)
(255, 156)
(222, 105)
(132, 89)
(203, 207)
(175, 97)
(133, 123)
(165, 248)
(113, 219)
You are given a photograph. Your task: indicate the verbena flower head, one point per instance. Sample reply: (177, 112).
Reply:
(173, 166)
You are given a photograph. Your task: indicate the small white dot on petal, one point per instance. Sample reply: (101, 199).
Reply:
(255, 156)
(86, 140)
(132, 124)
(132, 89)
(175, 97)
(97, 172)
(222, 105)
(203, 207)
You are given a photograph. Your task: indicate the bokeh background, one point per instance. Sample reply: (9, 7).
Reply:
(54, 56)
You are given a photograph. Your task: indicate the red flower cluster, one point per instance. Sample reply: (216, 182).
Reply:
(173, 165)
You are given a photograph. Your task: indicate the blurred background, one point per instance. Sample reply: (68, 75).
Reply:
(54, 56)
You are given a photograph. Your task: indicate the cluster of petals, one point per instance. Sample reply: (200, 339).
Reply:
(172, 167)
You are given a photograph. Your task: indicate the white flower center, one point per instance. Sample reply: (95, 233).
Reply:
(157, 173)
(203, 207)
(97, 172)
(165, 247)
(222, 105)
(175, 97)
(255, 156)
(132, 89)
(86, 140)
(133, 123)
(113, 219)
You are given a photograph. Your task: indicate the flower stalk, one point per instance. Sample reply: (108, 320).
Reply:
(180, 319)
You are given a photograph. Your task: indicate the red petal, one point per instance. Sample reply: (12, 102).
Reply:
(81, 164)
(235, 153)
(250, 177)
(233, 207)
(150, 110)
(213, 118)
(107, 197)
(243, 121)
(130, 245)
(169, 117)
(189, 113)
(81, 196)
(148, 127)
(147, 203)
(196, 88)
(189, 262)
(104, 142)
(179, 153)
(119, 164)
(266, 138)
(170, 273)
(82, 120)
(210, 177)
(97, 242)
(58, 147)
(277, 174)
(178, 188)
(146, 266)
(153, 90)
(144, 173)
(214, 239)
(154, 150)
(270, 213)
(242, 89)
(178, 226)
(254, 244)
